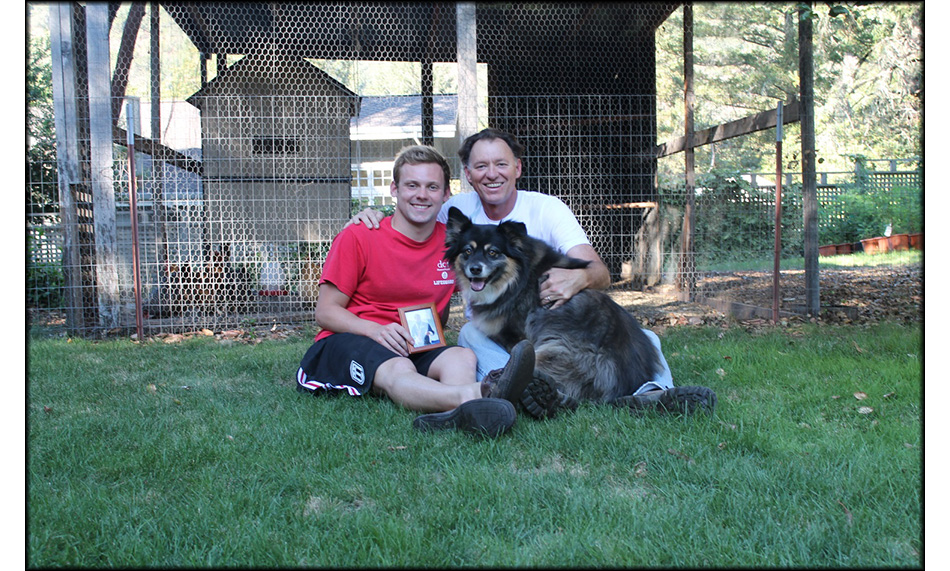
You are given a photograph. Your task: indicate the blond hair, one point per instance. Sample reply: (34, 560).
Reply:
(420, 154)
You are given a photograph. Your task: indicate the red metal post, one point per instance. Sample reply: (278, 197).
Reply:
(778, 212)
(133, 211)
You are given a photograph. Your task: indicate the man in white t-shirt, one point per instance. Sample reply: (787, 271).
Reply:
(491, 160)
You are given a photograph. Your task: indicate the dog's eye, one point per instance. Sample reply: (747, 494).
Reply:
(493, 253)
(467, 251)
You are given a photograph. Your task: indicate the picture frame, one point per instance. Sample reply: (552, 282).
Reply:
(424, 325)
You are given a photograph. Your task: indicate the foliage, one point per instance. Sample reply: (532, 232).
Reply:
(868, 207)
(44, 279)
(868, 79)
(733, 219)
(43, 192)
(358, 204)
(201, 454)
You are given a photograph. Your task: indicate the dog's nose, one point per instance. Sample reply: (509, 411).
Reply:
(475, 270)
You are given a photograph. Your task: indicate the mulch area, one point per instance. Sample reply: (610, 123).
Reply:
(858, 295)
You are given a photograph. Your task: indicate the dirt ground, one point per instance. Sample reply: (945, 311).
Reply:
(847, 296)
(859, 295)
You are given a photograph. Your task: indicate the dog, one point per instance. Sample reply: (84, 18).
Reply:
(590, 348)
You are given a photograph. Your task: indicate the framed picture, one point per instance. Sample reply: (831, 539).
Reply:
(424, 324)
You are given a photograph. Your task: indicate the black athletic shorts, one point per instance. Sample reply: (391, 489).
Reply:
(348, 362)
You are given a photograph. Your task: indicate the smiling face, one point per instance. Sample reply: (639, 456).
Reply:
(493, 172)
(419, 195)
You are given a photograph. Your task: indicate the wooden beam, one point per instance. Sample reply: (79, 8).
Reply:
(120, 79)
(158, 151)
(758, 122)
(806, 78)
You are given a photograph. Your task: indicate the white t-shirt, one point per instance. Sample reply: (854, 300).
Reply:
(546, 217)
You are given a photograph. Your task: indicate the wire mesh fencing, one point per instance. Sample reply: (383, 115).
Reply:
(259, 129)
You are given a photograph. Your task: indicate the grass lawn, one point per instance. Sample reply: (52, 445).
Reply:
(203, 454)
(756, 262)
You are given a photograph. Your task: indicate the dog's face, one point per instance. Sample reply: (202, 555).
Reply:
(481, 257)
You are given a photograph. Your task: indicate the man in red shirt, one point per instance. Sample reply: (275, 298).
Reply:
(366, 279)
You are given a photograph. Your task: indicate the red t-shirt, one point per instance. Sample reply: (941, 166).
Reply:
(383, 270)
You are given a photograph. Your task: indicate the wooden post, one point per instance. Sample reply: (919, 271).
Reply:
(101, 159)
(806, 71)
(428, 110)
(467, 50)
(158, 167)
(66, 120)
(687, 278)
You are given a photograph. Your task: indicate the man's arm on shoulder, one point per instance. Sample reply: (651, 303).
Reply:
(332, 314)
(368, 217)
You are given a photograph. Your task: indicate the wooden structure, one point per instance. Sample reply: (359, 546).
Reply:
(275, 152)
(575, 82)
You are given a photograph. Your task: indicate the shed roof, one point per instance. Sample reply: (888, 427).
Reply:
(276, 75)
(400, 117)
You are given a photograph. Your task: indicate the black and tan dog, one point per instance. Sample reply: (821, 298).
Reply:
(590, 347)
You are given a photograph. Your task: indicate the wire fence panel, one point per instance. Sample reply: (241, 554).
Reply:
(261, 128)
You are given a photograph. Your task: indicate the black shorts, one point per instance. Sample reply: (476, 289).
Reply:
(348, 362)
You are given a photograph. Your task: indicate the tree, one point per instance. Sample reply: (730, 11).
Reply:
(868, 78)
(42, 190)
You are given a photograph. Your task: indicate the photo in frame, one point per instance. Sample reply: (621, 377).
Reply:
(424, 325)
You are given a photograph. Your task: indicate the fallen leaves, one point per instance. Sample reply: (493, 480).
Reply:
(640, 469)
(679, 454)
(847, 512)
(848, 295)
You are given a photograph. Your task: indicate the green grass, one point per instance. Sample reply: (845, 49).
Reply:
(201, 454)
(860, 259)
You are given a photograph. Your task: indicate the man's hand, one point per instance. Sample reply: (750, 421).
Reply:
(561, 284)
(394, 337)
(371, 218)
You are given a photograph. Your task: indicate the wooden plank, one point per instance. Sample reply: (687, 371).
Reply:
(621, 206)
(158, 151)
(758, 122)
(120, 79)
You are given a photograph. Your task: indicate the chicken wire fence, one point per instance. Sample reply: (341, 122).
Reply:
(242, 182)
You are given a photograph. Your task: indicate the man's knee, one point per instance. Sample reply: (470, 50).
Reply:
(462, 357)
(390, 370)
(653, 337)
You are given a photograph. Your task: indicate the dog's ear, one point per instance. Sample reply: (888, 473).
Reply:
(513, 230)
(456, 225)
(456, 218)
